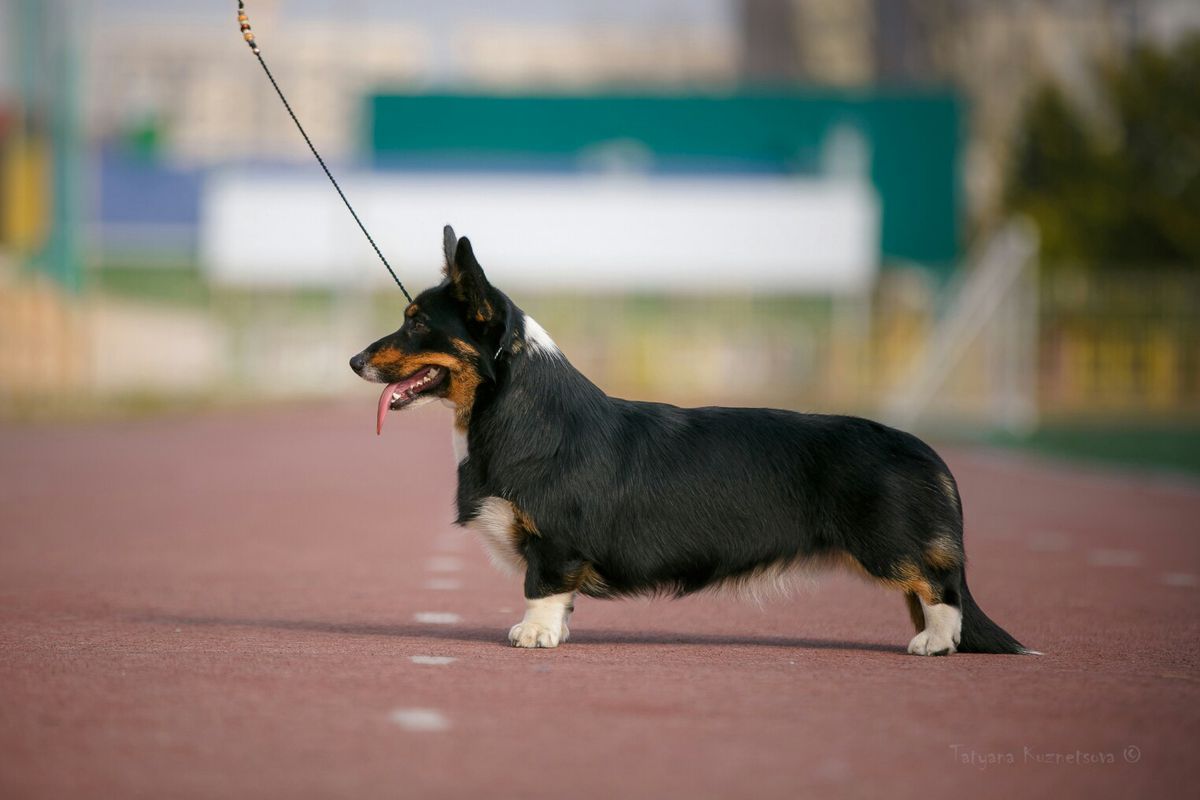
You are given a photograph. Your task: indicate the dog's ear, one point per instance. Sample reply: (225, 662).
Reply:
(467, 281)
(502, 325)
(510, 328)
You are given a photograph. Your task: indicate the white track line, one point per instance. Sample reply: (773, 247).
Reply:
(1114, 558)
(443, 584)
(437, 617)
(432, 661)
(1049, 542)
(451, 541)
(420, 720)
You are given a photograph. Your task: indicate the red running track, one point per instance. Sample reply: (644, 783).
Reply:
(230, 606)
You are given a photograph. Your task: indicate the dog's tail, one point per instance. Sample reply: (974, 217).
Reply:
(980, 634)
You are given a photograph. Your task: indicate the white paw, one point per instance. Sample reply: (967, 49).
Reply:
(932, 643)
(535, 634)
(943, 631)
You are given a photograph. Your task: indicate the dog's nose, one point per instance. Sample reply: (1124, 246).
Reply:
(358, 362)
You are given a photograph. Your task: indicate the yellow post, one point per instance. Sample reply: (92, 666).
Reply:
(24, 184)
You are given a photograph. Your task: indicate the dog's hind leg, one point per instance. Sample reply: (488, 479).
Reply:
(942, 633)
(941, 565)
(932, 592)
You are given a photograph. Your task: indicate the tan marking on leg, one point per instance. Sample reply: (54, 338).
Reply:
(943, 553)
(908, 577)
(588, 581)
(905, 575)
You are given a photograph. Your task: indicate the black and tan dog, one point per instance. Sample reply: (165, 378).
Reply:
(605, 497)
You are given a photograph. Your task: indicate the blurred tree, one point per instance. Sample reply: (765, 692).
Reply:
(1126, 189)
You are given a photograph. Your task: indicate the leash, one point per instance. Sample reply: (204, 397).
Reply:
(248, 35)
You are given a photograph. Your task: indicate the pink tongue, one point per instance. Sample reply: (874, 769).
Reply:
(385, 400)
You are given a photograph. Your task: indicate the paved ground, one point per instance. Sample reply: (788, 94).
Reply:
(275, 605)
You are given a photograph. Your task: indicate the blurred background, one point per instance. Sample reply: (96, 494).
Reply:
(972, 219)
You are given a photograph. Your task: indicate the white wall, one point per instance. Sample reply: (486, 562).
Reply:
(594, 232)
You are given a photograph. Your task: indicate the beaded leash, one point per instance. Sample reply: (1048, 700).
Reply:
(248, 35)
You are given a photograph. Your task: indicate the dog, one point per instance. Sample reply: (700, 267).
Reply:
(589, 494)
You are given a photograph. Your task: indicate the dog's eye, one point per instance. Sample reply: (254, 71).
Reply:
(418, 327)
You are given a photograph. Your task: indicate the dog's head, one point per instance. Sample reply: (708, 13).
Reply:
(450, 342)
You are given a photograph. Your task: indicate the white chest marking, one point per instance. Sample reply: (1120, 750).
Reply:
(494, 524)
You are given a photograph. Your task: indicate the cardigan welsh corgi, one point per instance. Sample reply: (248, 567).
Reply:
(589, 494)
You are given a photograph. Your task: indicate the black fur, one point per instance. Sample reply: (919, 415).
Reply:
(649, 498)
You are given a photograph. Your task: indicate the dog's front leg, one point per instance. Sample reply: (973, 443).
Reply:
(545, 621)
(549, 601)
